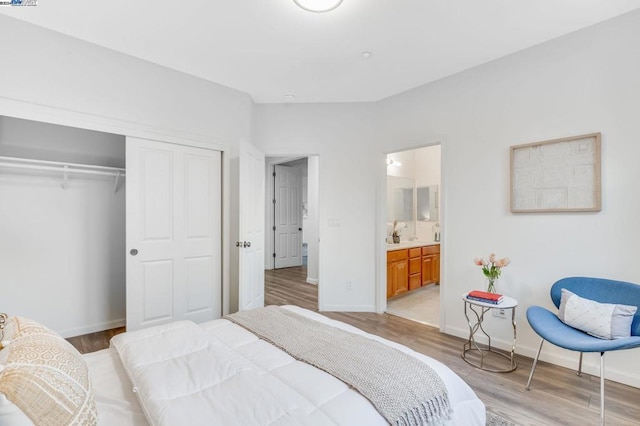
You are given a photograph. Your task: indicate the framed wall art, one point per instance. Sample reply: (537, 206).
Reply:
(560, 175)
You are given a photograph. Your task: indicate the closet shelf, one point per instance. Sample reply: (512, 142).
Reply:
(65, 168)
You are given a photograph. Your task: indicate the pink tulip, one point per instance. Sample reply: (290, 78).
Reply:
(502, 262)
(492, 258)
(479, 261)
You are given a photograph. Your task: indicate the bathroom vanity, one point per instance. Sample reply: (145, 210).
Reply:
(412, 265)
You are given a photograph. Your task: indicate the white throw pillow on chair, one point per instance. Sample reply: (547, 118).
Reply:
(602, 320)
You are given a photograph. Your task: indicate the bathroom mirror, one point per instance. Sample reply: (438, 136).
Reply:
(427, 203)
(400, 199)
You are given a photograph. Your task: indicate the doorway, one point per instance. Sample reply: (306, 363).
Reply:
(292, 237)
(413, 234)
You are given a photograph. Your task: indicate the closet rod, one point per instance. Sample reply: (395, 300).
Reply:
(56, 166)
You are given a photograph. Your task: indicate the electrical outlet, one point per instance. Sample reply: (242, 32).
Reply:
(349, 286)
(499, 313)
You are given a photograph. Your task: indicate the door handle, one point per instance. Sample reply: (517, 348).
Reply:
(247, 244)
(133, 252)
(299, 229)
(238, 244)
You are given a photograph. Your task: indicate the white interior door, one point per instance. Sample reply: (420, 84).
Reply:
(251, 228)
(288, 216)
(173, 233)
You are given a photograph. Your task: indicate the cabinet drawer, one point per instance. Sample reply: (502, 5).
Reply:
(415, 266)
(395, 255)
(414, 252)
(415, 281)
(430, 249)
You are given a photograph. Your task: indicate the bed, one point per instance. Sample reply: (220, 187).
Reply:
(249, 382)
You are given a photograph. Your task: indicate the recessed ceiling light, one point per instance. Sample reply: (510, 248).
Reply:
(366, 55)
(318, 6)
(290, 96)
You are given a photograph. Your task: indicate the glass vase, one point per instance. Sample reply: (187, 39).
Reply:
(491, 285)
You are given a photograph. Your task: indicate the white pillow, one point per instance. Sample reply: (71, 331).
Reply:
(9, 413)
(46, 377)
(603, 320)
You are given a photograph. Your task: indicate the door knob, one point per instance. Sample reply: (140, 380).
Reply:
(247, 243)
(133, 252)
(299, 229)
(238, 244)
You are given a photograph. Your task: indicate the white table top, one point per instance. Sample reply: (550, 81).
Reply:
(506, 303)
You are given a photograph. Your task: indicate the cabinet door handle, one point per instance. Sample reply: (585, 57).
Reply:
(133, 252)
(247, 244)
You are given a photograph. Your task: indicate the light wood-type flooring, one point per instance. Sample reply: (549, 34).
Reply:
(557, 396)
(422, 305)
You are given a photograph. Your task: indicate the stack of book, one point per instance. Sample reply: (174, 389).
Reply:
(483, 296)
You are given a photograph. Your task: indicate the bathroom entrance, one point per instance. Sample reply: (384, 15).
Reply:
(413, 234)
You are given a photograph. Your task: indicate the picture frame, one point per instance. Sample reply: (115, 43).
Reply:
(559, 175)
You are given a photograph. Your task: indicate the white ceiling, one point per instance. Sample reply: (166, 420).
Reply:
(269, 48)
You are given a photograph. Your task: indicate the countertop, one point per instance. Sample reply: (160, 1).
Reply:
(411, 244)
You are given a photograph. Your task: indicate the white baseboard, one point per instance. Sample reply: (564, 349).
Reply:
(566, 358)
(107, 325)
(313, 281)
(348, 308)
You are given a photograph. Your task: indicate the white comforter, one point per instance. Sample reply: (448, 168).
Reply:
(220, 373)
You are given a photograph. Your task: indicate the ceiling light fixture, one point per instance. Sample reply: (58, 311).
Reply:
(290, 96)
(366, 55)
(318, 6)
(394, 163)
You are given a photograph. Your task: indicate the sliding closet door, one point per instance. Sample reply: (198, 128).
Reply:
(173, 233)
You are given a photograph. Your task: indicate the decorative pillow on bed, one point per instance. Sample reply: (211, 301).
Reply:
(603, 320)
(46, 377)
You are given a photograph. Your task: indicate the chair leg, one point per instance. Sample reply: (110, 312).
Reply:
(601, 388)
(580, 366)
(533, 367)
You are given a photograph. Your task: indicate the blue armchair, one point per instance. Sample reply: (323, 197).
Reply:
(550, 328)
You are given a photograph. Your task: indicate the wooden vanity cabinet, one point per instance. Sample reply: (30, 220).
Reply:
(397, 272)
(415, 268)
(431, 265)
(409, 269)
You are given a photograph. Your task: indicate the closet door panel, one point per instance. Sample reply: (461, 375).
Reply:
(201, 240)
(199, 292)
(199, 195)
(157, 279)
(156, 194)
(173, 233)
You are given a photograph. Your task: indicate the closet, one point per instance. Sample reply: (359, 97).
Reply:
(89, 241)
(62, 226)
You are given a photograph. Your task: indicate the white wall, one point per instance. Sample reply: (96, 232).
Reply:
(50, 77)
(62, 251)
(581, 83)
(340, 135)
(51, 69)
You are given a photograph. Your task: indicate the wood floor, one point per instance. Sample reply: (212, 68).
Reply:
(557, 396)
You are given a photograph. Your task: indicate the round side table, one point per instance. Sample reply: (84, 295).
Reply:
(477, 310)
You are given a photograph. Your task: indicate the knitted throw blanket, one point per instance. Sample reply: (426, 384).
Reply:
(403, 389)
